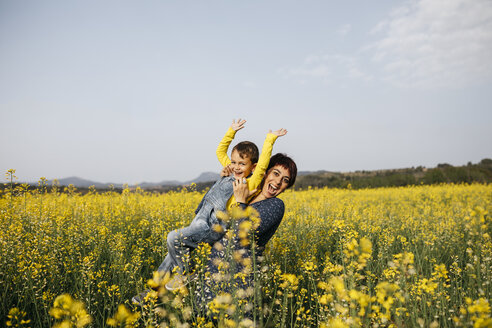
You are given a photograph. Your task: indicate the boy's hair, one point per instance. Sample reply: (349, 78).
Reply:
(248, 149)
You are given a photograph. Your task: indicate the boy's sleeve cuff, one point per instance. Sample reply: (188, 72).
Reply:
(242, 205)
(271, 137)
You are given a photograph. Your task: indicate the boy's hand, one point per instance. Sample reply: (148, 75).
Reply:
(279, 133)
(226, 171)
(236, 126)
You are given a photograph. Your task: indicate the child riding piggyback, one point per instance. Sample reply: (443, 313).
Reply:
(245, 166)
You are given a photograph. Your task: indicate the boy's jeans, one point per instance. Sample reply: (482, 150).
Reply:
(181, 241)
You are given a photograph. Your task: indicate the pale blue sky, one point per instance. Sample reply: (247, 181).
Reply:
(133, 91)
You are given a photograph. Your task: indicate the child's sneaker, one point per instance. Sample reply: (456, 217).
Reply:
(177, 282)
(139, 299)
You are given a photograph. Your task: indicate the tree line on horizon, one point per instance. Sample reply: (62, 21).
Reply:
(443, 173)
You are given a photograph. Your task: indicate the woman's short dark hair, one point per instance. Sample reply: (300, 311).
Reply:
(287, 163)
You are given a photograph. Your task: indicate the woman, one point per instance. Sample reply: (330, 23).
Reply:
(280, 175)
(237, 255)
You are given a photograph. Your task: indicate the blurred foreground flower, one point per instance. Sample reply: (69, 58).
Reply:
(123, 317)
(72, 313)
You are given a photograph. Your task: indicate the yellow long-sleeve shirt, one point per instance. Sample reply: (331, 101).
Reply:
(266, 152)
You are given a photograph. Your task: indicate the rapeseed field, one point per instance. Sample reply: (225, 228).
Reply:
(415, 256)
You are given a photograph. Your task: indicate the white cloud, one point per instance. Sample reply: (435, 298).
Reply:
(424, 44)
(330, 68)
(344, 29)
(436, 43)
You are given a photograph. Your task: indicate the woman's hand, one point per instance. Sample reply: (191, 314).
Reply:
(241, 190)
(236, 126)
(279, 133)
(226, 171)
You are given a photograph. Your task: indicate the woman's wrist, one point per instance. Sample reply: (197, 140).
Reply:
(241, 204)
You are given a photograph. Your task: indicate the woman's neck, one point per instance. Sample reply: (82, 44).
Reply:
(258, 198)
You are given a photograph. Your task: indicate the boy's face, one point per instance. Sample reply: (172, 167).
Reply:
(241, 166)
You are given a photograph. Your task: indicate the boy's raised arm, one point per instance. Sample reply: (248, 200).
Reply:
(264, 160)
(226, 141)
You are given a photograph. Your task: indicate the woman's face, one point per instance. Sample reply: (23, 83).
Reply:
(276, 181)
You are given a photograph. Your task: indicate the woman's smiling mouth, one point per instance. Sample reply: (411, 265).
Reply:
(272, 189)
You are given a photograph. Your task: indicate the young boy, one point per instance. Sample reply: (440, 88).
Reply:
(245, 164)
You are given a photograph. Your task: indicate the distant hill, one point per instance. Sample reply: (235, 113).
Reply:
(301, 173)
(84, 183)
(205, 177)
(80, 183)
(443, 173)
(156, 184)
